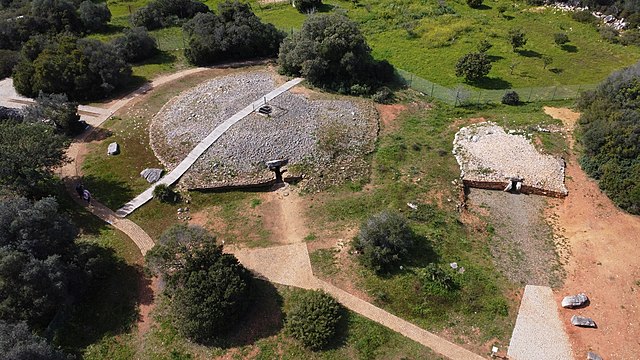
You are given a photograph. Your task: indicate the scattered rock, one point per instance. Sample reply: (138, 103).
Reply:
(151, 174)
(593, 356)
(583, 321)
(113, 149)
(573, 301)
(412, 206)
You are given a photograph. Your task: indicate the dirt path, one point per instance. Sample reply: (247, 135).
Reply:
(603, 262)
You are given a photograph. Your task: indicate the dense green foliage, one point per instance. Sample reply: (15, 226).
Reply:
(235, 33)
(57, 110)
(560, 38)
(473, 66)
(517, 38)
(8, 59)
(610, 134)
(82, 69)
(28, 152)
(136, 45)
(165, 194)
(313, 319)
(331, 52)
(18, 343)
(209, 290)
(474, 3)
(511, 98)
(24, 19)
(384, 241)
(164, 13)
(306, 6)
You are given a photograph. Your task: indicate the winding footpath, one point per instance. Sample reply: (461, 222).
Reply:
(288, 264)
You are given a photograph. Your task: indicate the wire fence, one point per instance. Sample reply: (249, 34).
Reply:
(463, 95)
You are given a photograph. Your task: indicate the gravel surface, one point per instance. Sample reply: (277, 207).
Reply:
(539, 333)
(522, 245)
(486, 153)
(296, 131)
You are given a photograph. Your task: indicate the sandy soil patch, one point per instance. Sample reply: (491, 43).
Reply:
(603, 263)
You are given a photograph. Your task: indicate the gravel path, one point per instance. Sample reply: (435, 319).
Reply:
(486, 153)
(538, 333)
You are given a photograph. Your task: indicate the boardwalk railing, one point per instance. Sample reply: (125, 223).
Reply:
(464, 95)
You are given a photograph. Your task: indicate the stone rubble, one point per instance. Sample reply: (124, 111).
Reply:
(486, 153)
(238, 157)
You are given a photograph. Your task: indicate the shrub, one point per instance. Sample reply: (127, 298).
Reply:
(630, 37)
(384, 240)
(511, 98)
(384, 95)
(584, 16)
(209, 290)
(94, 16)
(546, 61)
(609, 34)
(165, 13)
(313, 319)
(474, 3)
(165, 194)
(331, 53)
(473, 66)
(8, 60)
(305, 6)
(560, 38)
(502, 8)
(484, 46)
(18, 342)
(136, 45)
(236, 33)
(610, 135)
(516, 38)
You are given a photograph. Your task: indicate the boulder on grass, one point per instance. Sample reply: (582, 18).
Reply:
(574, 301)
(582, 321)
(151, 175)
(113, 149)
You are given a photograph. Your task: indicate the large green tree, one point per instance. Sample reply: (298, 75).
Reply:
(57, 110)
(610, 135)
(17, 342)
(235, 33)
(28, 153)
(209, 289)
(331, 52)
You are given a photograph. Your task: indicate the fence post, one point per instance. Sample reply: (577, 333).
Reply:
(479, 94)
(530, 92)
(578, 93)
(411, 80)
(553, 97)
(455, 103)
(432, 85)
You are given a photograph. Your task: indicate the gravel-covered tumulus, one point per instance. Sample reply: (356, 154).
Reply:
(490, 158)
(325, 140)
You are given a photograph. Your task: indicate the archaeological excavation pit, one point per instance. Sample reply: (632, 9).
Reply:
(490, 158)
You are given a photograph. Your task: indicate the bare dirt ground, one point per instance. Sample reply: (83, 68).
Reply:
(603, 262)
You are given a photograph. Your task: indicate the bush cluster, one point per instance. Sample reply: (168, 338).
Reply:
(331, 53)
(511, 98)
(164, 13)
(473, 66)
(610, 135)
(384, 241)
(306, 6)
(8, 59)
(235, 33)
(81, 68)
(136, 45)
(313, 319)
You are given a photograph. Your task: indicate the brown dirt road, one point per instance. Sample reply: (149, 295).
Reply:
(603, 262)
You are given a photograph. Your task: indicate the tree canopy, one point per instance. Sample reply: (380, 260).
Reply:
(18, 343)
(610, 134)
(384, 240)
(136, 45)
(82, 69)
(473, 66)
(28, 152)
(164, 13)
(331, 52)
(235, 33)
(56, 110)
(209, 290)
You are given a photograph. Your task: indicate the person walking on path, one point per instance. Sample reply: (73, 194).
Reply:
(86, 195)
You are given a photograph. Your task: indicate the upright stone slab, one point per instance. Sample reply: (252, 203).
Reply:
(113, 149)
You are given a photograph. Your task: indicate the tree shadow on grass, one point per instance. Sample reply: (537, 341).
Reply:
(494, 58)
(323, 8)
(161, 57)
(569, 48)
(529, 53)
(109, 191)
(483, 7)
(491, 83)
(262, 319)
(109, 306)
(556, 70)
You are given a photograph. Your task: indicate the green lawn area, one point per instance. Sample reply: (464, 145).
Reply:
(414, 37)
